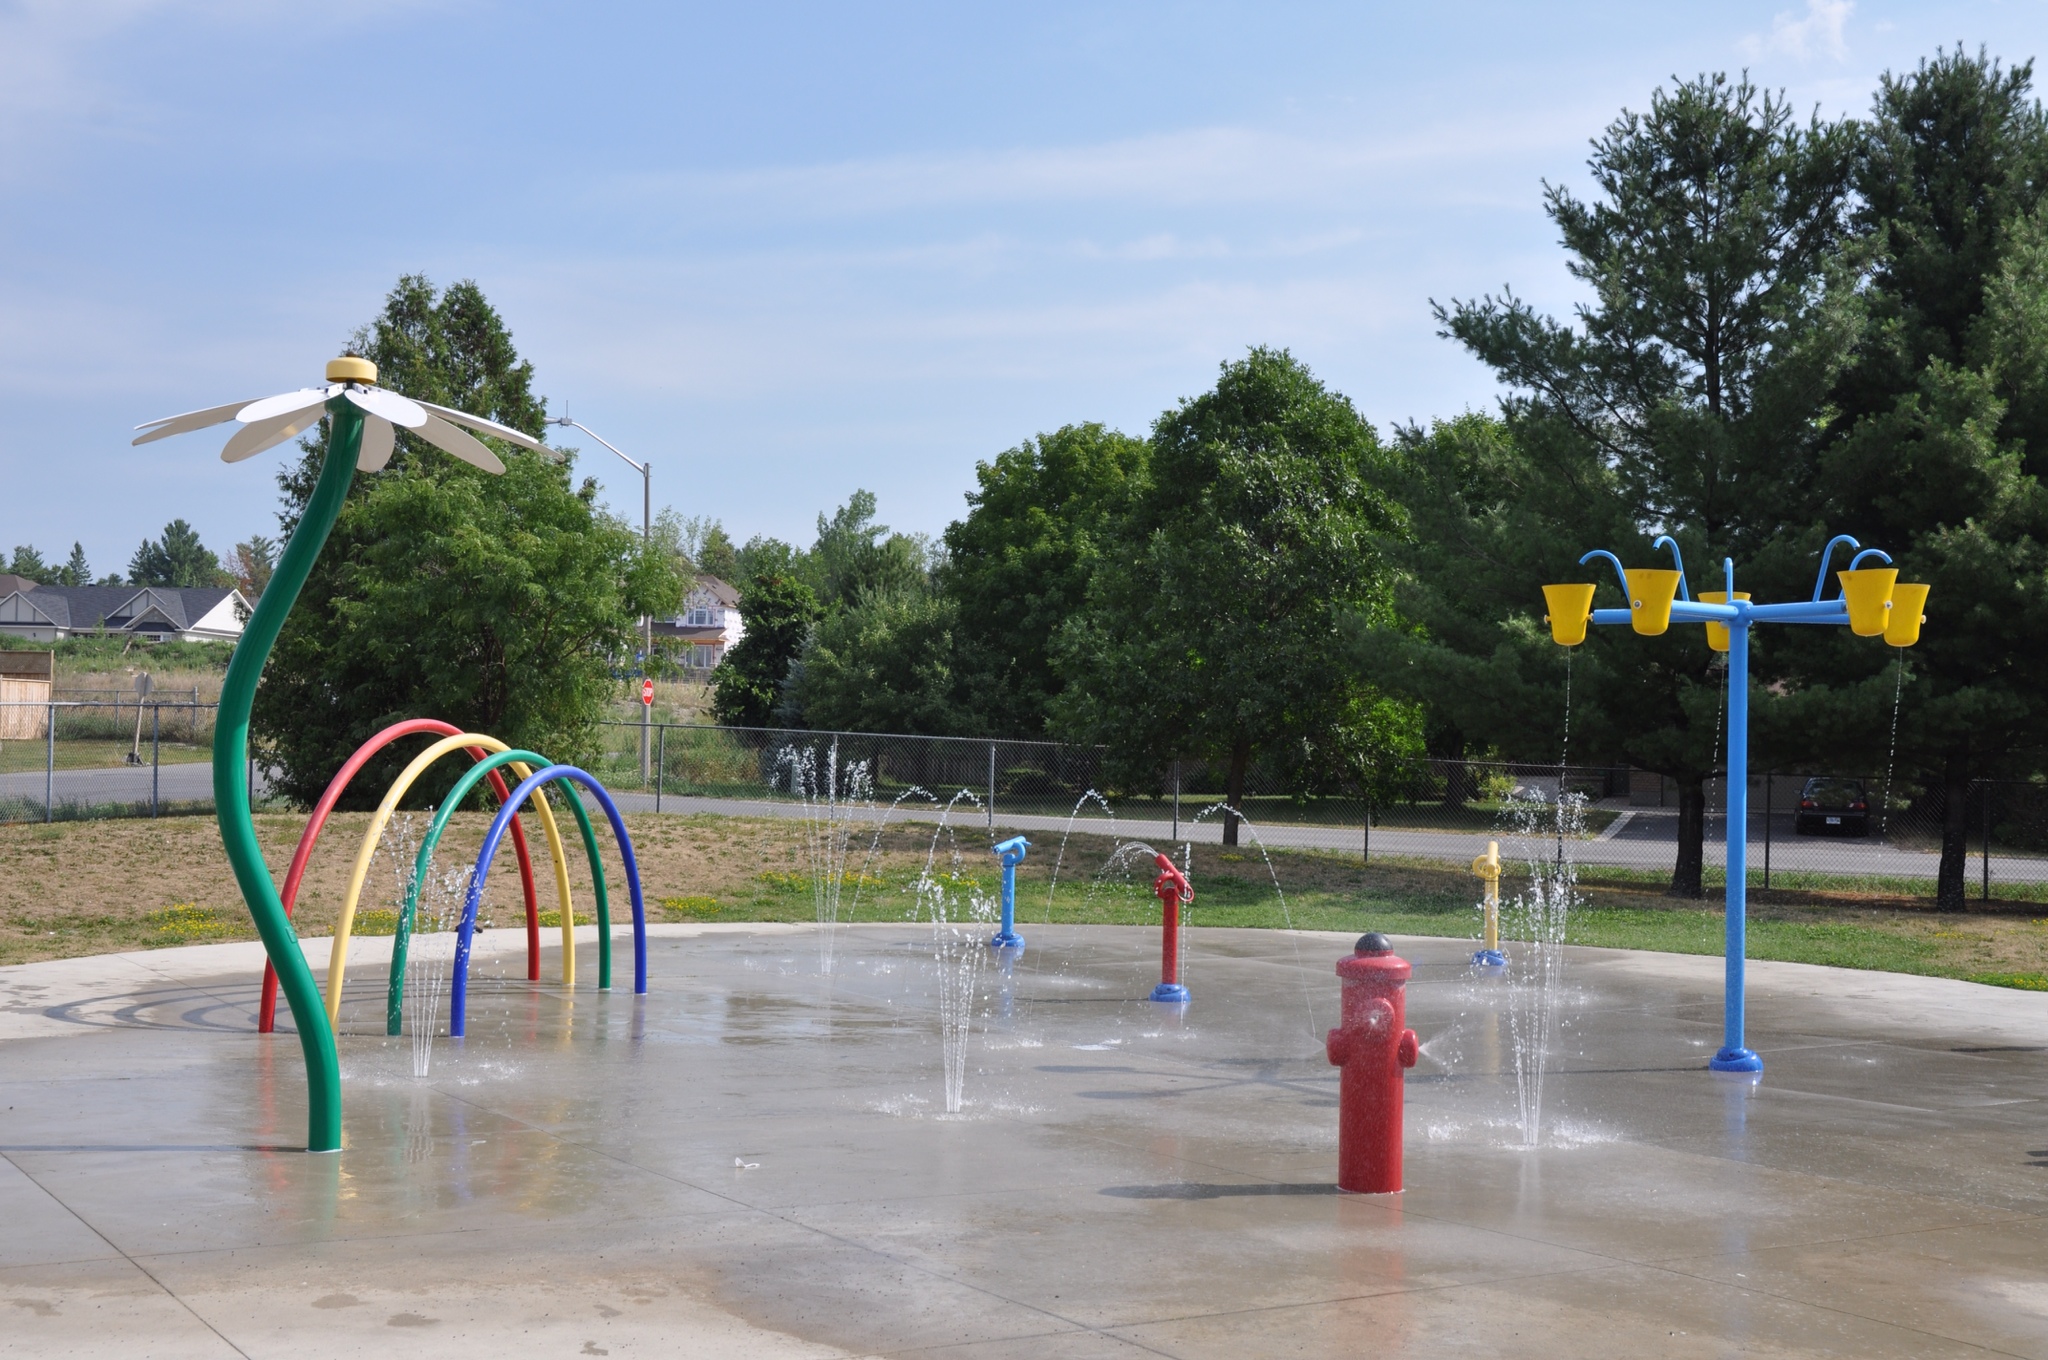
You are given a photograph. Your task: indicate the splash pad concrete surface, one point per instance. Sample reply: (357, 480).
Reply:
(755, 1160)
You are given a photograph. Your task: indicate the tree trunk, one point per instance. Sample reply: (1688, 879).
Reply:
(1951, 886)
(1233, 793)
(1692, 837)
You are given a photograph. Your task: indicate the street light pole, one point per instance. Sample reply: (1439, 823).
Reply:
(646, 471)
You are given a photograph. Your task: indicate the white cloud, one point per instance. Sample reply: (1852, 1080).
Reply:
(1819, 32)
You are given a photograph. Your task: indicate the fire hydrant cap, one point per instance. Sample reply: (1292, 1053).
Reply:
(1373, 942)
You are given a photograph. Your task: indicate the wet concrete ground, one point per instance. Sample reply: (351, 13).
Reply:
(756, 1160)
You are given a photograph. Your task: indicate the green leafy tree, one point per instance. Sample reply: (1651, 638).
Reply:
(250, 567)
(451, 348)
(28, 562)
(176, 559)
(884, 663)
(854, 556)
(1484, 518)
(1019, 564)
(1943, 434)
(1212, 621)
(778, 610)
(716, 555)
(75, 572)
(1690, 398)
(496, 603)
(762, 556)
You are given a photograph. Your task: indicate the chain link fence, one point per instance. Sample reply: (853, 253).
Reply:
(73, 759)
(1859, 836)
(1855, 835)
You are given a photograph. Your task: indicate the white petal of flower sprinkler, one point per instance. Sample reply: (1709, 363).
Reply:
(361, 433)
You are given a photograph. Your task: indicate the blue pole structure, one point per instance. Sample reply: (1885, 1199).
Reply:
(1734, 1057)
(1011, 853)
(1865, 605)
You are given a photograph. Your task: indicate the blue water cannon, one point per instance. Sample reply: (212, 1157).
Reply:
(1011, 853)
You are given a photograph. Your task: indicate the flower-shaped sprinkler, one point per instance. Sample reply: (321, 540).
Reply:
(362, 432)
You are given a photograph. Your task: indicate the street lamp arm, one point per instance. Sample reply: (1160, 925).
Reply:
(570, 424)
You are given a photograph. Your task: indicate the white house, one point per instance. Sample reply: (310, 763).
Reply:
(709, 624)
(157, 613)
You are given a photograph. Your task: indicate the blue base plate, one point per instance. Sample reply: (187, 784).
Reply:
(1489, 958)
(1170, 991)
(1736, 1060)
(1011, 940)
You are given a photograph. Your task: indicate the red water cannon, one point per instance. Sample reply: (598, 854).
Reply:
(1174, 892)
(1373, 1047)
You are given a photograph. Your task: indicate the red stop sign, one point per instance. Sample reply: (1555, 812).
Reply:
(647, 692)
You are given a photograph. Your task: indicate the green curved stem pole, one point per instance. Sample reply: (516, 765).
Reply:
(231, 776)
(394, 993)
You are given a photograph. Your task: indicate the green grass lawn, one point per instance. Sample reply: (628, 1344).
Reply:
(23, 757)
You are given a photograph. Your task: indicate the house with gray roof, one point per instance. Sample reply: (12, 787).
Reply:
(40, 613)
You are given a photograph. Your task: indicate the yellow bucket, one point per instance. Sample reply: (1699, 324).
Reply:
(1717, 633)
(1869, 593)
(1650, 593)
(1570, 607)
(1902, 629)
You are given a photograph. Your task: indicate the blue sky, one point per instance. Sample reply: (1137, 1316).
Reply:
(786, 251)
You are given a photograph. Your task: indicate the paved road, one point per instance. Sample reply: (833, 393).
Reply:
(120, 784)
(1641, 838)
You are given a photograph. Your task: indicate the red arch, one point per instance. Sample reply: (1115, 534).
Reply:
(266, 1016)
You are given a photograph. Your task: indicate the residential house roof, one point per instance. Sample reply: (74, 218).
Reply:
(132, 608)
(726, 594)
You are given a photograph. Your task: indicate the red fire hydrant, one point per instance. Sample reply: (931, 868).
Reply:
(1373, 1045)
(1174, 892)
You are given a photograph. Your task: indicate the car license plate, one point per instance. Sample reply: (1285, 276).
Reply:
(1834, 821)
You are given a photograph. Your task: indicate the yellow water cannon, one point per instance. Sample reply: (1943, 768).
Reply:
(1571, 608)
(1717, 633)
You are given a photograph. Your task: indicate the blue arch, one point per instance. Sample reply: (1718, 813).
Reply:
(458, 994)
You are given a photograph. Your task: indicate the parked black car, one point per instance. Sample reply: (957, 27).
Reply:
(1832, 807)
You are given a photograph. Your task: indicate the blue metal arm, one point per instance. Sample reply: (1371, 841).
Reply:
(1801, 611)
(1667, 541)
(1619, 574)
(1879, 553)
(1820, 582)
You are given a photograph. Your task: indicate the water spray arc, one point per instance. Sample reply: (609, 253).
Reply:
(1873, 603)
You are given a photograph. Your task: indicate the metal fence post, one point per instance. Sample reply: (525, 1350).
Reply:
(660, 765)
(1770, 780)
(1176, 798)
(156, 724)
(1987, 840)
(991, 786)
(1367, 856)
(50, 765)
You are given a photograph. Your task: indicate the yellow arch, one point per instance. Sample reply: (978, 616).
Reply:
(337, 962)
